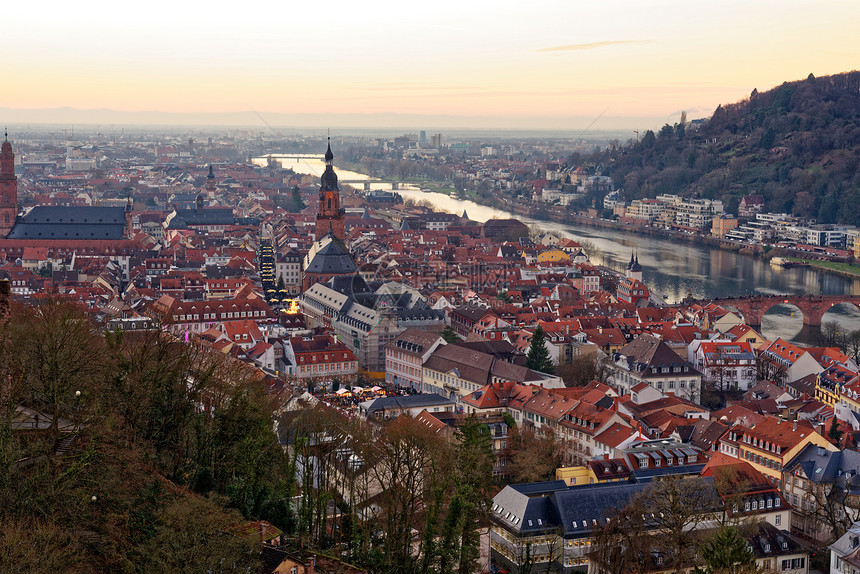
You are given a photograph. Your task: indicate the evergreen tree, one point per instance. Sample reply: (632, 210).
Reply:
(537, 358)
(449, 335)
(298, 202)
(727, 551)
(834, 434)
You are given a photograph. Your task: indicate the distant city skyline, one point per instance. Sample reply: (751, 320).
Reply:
(510, 65)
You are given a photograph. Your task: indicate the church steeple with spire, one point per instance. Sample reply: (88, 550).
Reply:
(8, 188)
(330, 215)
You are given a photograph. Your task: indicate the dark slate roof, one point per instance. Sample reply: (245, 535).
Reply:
(539, 488)
(472, 311)
(270, 556)
(649, 474)
(50, 222)
(498, 348)
(823, 466)
(646, 352)
(420, 314)
(577, 510)
(351, 285)
(208, 216)
(408, 402)
(328, 180)
(329, 257)
(178, 222)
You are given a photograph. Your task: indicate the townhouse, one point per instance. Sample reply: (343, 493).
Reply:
(405, 357)
(648, 359)
(455, 371)
(320, 357)
(771, 444)
(823, 487)
(791, 359)
(724, 365)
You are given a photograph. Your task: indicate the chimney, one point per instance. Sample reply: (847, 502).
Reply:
(794, 426)
(311, 564)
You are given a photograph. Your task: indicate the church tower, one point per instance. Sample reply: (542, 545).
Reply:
(210, 182)
(8, 188)
(330, 215)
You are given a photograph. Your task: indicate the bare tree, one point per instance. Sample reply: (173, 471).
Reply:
(621, 542)
(675, 509)
(767, 370)
(832, 507)
(406, 459)
(585, 369)
(531, 457)
(56, 356)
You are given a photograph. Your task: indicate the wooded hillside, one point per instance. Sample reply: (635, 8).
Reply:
(796, 145)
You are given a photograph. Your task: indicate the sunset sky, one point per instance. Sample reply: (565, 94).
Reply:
(609, 63)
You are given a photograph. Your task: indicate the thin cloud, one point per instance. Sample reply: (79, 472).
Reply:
(590, 46)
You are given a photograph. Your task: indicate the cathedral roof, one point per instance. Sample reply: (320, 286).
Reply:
(329, 256)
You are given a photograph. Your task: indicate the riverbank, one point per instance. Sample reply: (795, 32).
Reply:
(844, 269)
(552, 214)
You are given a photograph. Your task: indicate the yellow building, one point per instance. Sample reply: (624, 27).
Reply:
(553, 256)
(575, 475)
(830, 382)
(849, 398)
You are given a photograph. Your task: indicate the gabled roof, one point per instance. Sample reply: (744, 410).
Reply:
(67, 223)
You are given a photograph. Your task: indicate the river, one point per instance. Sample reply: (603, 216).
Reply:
(672, 270)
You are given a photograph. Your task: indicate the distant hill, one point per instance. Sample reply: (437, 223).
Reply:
(798, 145)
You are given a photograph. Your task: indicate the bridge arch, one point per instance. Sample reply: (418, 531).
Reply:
(813, 307)
(841, 313)
(782, 319)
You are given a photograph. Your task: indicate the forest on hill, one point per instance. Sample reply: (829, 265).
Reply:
(796, 145)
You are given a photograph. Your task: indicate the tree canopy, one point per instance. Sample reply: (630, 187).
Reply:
(538, 358)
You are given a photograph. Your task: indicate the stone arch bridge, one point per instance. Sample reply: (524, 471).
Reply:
(813, 307)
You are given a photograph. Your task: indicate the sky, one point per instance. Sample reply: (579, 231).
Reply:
(570, 64)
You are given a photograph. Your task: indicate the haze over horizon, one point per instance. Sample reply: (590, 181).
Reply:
(619, 64)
